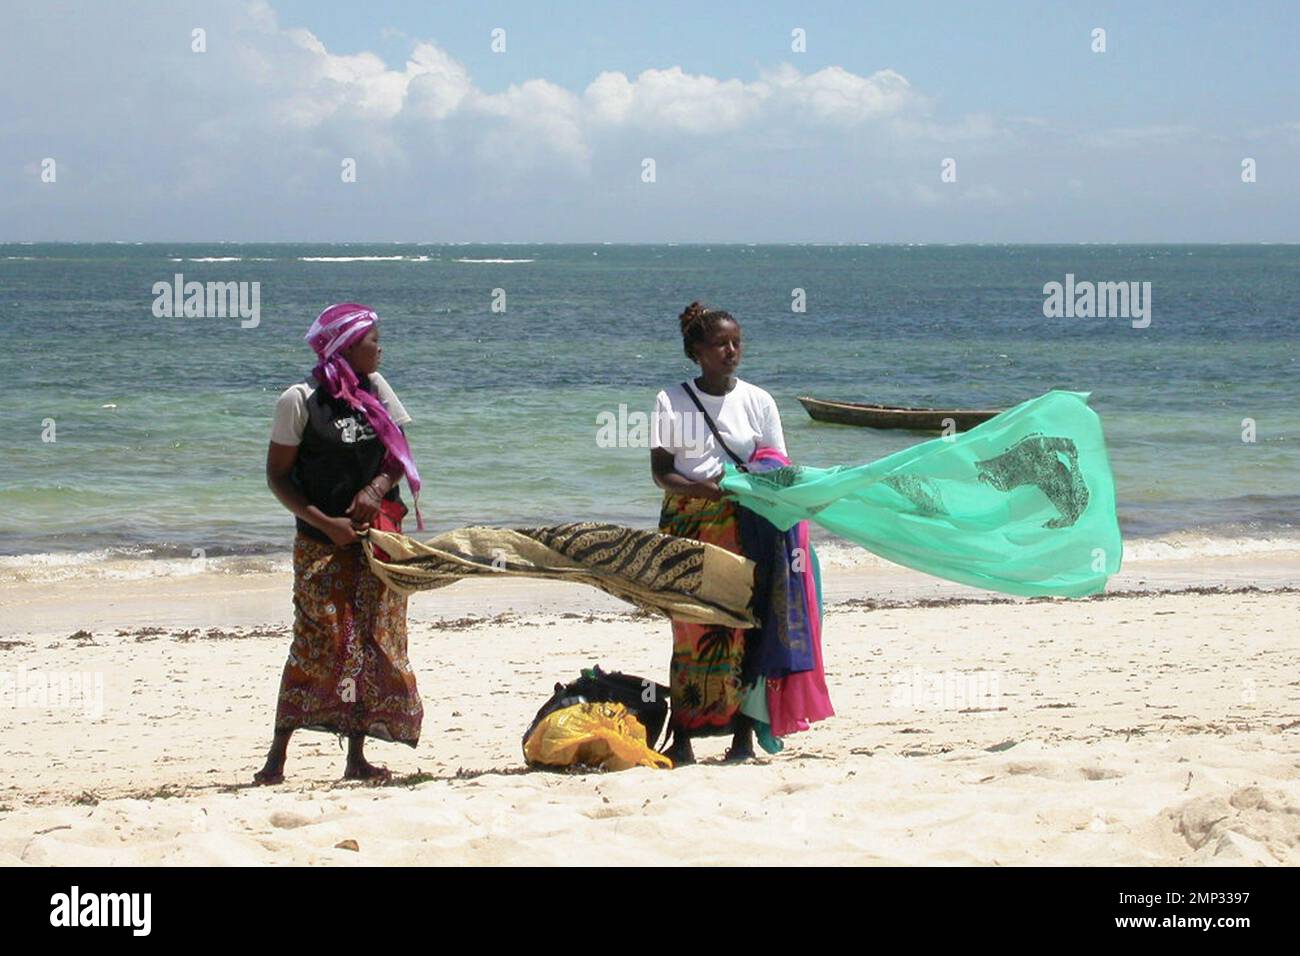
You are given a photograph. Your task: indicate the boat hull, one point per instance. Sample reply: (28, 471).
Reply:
(893, 416)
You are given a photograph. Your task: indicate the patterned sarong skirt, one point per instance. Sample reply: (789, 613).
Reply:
(347, 671)
(705, 673)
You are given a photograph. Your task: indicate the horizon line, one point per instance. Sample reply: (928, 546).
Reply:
(668, 242)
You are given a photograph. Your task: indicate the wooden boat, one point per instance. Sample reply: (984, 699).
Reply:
(895, 416)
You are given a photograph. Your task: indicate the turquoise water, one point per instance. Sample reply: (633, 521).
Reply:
(506, 404)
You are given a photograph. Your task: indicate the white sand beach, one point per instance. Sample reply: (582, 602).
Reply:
(1141, 728)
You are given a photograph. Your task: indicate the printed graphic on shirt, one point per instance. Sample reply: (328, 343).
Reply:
(352, 431)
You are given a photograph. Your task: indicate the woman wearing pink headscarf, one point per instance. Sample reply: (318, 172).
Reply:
(336, 456)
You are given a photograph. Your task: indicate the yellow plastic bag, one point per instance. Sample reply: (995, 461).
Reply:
(591, 735)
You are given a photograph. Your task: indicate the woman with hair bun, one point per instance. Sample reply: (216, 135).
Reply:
(707, 676)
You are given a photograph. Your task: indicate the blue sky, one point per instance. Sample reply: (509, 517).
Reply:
(752, 141)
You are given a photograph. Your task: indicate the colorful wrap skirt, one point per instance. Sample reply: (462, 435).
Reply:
(772, 673)
(347, 671)
(705, 676)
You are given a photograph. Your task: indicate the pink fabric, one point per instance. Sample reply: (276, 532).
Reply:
(333, 332)
(796, 701)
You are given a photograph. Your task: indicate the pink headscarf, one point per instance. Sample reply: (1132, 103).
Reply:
(334, 330)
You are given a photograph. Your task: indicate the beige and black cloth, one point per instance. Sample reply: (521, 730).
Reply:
(676, 577)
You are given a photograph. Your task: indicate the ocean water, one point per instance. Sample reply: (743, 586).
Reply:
(160, 425)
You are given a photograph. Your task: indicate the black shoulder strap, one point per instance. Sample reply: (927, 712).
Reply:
(713, 428)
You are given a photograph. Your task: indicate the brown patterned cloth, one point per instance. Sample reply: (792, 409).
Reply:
(347, 670)
(678, 578)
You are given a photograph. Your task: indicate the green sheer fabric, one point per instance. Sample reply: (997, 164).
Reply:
(1023, 504)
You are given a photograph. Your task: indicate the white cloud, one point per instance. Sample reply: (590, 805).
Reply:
(677, 101)
(1286, 132)
(609, 98)
(304, 87)
(834, 95)
(674, 100)
(437, 84)
(536, 117)
(1130, 137)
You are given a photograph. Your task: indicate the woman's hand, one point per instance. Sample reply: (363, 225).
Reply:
(661, 469)
(365, 505)
(708, 488)
(342, 531)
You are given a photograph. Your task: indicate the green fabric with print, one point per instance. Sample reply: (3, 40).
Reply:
(1023, 504)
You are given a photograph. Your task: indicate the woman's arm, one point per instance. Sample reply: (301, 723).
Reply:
(386, 480)
(773, 434)
(663, 435)
(661, 469)
(279, 464)
(365, 503)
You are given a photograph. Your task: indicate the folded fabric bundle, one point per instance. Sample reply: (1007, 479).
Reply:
(1023, 503)
(676, 577)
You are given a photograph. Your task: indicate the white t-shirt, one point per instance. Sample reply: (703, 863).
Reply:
(746, 417)
(291, 409)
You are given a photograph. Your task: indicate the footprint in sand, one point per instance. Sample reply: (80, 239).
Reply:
(604, 813)
(1054, 771)
(1249, 827)
(287, 820)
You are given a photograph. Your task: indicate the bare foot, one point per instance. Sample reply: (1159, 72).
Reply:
(742, 741)
(680, 753)
(272, 771)
(269, 776)
(364, 770)
(739, 754)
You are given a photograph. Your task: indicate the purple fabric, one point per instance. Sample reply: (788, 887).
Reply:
(783, 643)
(798, 700)
(334, 331)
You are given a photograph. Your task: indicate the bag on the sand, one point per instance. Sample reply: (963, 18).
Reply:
(644, 699)
(600, 735)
